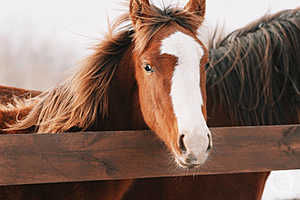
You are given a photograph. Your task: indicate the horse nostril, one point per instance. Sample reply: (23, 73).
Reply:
(209, 143)
(182, 146)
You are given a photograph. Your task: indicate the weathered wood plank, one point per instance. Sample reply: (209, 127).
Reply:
(30, 159)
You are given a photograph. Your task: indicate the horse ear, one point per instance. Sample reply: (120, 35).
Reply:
(196, 6)
(138, 8)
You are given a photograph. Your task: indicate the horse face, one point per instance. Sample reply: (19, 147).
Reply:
(171, 79)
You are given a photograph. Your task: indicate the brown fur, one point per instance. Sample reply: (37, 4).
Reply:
(239, 186)
(83, 99)
(151, 20)
(7, 94)
(94, 98)
(110, 92)
(15, 104)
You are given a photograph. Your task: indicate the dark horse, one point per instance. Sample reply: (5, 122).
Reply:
(252, 79)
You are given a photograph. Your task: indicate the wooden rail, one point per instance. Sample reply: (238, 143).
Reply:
(30, 159)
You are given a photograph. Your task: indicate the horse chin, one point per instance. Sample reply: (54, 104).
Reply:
(182, 162)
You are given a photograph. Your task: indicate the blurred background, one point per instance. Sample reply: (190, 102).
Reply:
(41, 41)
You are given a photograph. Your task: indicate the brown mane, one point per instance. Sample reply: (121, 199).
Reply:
(254, 71)
(82, 100)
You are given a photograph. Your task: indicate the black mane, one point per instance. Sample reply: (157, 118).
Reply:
(254, 72)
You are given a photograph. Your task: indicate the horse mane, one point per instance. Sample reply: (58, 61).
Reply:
(82, 99)
(255, 70)
(79, 100)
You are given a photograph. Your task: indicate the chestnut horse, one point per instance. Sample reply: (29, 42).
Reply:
(149, 74)
(268, 47)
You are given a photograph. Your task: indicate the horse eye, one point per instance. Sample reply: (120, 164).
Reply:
(148, 68)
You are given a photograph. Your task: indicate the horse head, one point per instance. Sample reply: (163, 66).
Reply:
(169, 64)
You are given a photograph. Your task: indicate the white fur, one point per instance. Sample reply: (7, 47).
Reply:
(186, 93)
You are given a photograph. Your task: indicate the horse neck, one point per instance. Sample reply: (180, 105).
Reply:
(224, 107)
(123, 108)
(218, 115)
(255, 71)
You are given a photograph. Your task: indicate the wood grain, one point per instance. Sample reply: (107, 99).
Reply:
(49, 158)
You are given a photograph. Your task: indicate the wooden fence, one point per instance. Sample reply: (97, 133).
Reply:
(49, 158)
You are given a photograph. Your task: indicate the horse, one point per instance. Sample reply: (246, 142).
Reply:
(253, 75)
(141, 76)
(264, 54)
(12, 99)
(252, 79)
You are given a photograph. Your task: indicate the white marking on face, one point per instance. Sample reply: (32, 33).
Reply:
(186, 92)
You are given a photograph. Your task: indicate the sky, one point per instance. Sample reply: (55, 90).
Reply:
(77, 25)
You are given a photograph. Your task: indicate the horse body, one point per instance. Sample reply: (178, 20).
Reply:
(11, 98)
(253, 79)
(226, 107)
(130, 82)
(262, 62)
(136, 74)
(237, 186)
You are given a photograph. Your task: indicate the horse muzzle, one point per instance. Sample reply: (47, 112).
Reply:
(194, 149)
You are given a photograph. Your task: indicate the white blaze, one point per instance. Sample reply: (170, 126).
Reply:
(185, 91)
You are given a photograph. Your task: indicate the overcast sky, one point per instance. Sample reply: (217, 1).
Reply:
(79, 22)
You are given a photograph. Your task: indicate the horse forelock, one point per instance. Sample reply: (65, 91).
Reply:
(253, 68)
(155, 19)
